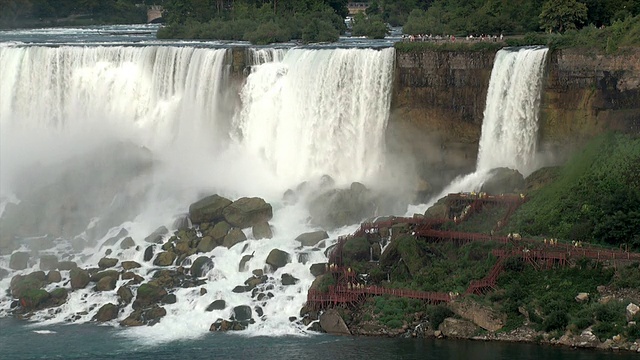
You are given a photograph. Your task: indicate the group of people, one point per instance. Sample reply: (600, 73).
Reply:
(452, 38)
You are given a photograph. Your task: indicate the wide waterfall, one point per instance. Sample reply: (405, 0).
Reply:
(510, 126)
(101, 141)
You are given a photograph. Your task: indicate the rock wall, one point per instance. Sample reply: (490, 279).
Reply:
(436, 110)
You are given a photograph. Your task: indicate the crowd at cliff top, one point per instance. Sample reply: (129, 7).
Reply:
(452, 38)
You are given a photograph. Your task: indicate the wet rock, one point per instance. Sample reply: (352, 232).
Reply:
(207, 244)
(216, 305)
(318, 269)
(457, 328)
(34, 299)
(182, 222)
(241, 289)
(169, 299)
(107, 312)
(332, 323)
(21, 284)
(219, 231)
(341, 207)
(148, 294)
(503, 180)
(246, 212)
(59, 296)
(289, 197)
(278, 258)
(127, 243)
(113, 240)
(288, 279)
(631, 311)
(54, 276)
(157, 236)
(243, 262)
(135, 278)
(242, 313)
(154, 314)
(233, 237)
(201, 266)
(165, 258)
(105, 263)
(303, 258)
(125, 295)
(135, 319)
(128, 265)
(3, 273)
(67, 265)
(203, 291)
(107, 283)
(48, 262)
(18, 260)
(208, 209)
(79, 278)
(312, 238)
(148, 253)
(257, 272)
(262, 230)
(102, 274)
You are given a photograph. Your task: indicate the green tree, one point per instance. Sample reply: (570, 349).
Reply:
(562, 15)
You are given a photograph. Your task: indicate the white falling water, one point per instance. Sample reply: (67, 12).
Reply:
(319, 112)
(305, 113)
(510, 126)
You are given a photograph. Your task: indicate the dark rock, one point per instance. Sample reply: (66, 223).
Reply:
(182, 222)
(288, 279)
(209, 209)
(356, 250)
(18, 260)
(102, 274)
(127, 243)
(59, 296)
(128, 265)
(254, 281)
(107, 283)
(165, 258)
(79, 278)
(503, 180)
(241, 289)
(312, 238)
(34, 299)
(148, 294)
(135, 319)
(201, 266)
(169, 299)
(278, 258)
(67, 265)
(3, 273)
(21, 284)
(219, 231)
(336, 208)
(243, 262)
(148, 253)
(216, 305)
(233, 237)
(48, 262)
(257, 272)
(105, 263)
(262, 230)
(54, 276)
(107, 312)
(242, 313)
(125, 295)
(152, 315)
(207, 244)
(246, 212)
(318, 269)
(303, 258)
(157, 236)
(458, 328)
(259, 311)
(332, 323)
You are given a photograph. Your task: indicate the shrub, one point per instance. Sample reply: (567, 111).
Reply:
(437, 314)
(268, 33)
(319, 31)
(556, 320)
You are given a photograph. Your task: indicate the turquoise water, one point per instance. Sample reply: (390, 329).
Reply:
(18, 340)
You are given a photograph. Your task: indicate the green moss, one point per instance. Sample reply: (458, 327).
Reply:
(419, 46)
(34, 298)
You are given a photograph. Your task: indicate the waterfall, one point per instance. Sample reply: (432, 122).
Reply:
(91, 119)
(510, 125)
(319, 112)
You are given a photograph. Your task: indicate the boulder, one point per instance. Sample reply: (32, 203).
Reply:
(169, 299)
(165, 258)
(582, 297)
(303, 258)
(34, 299)
(67, 265)
(148, 294)
(107, 283)
(480, 315)
(102, 274)
(148, 253)
(113, 240)
(153, 315)
(207, 244)
(18, 260)
(3, 273)
(233, 237)
(219, 231)
(356, 250)
(503, 180)
(201, 266)
(21, 284)
(246, 212)
(59, 296)
(217, 305)
(332, 323)
(208, 209)
(288, 279)
(631, 311)
(242, 313)
(182, 222)
(340, 207)
(157, 236)
(312, 238)
(262, 230)
(318, 269)
(439, 210)
(107, 312)
(278, 258)
(125, 295)
(127, 243)
(79, 278)
(105, 263)
(457, 328)
(289, 197)
(54, 276)
(128, 265)
(48, 262)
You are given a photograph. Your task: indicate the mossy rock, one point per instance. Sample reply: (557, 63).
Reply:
(34, 299)
(201, 266)
(312, 238)
(107, 283)
(165, 258)
(107, 273)
(79, 278)
(219, 231)
(356, 250)
(106, 263)
(59, 295)
(107, 312)
(21, 284)
(54, 276)
(127, 243)
(149, 294)
(246, 212)
(157, 236)
(208, 209)
(125, 294)
(128, 265)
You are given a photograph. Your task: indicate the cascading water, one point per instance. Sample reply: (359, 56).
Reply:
(510, 126)
(162, 114)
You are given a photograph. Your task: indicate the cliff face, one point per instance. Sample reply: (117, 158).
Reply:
(439, 99)
(436, 111)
